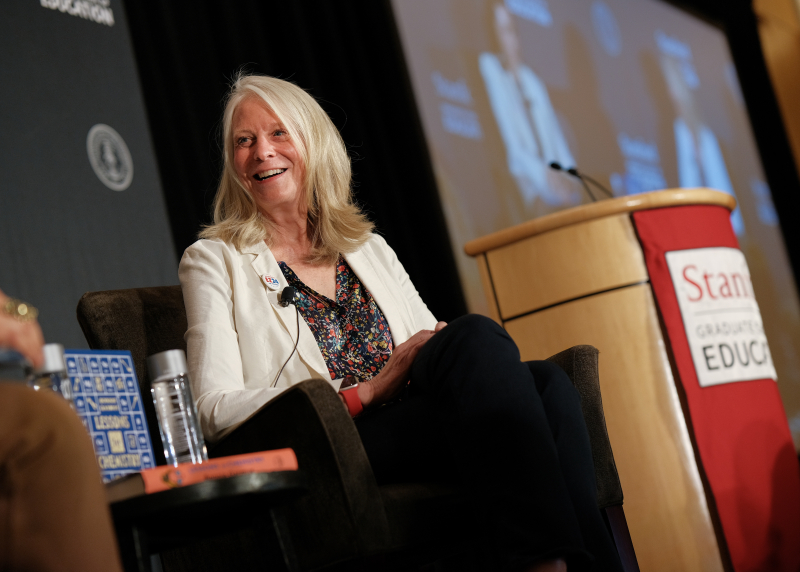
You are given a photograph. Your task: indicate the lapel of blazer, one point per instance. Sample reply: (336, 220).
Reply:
(264, 264)
(382, 293)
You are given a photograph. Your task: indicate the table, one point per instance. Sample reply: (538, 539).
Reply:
(149, 524)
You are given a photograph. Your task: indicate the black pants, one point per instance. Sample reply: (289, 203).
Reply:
(511, 432)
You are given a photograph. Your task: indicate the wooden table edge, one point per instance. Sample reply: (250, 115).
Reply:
(278, 482)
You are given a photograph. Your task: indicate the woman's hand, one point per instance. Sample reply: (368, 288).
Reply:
(25, 337)
(394, 375)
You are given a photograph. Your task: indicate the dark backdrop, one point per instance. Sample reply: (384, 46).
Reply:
(347, 54)
(62, 231)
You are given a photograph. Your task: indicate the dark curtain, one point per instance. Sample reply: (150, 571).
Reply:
(348, 56)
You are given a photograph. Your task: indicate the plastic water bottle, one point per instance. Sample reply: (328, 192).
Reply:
(177, 415)
(52, 376)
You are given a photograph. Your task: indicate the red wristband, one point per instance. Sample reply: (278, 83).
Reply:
(352, 400)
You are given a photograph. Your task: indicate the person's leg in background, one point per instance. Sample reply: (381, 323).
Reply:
(53, 510)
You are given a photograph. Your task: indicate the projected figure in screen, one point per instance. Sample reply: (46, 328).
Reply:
(526, 119)
(699, 157)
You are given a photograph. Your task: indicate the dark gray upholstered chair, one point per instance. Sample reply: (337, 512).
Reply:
(346, 521)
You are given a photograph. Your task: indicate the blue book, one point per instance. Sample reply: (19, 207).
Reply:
(107, 398)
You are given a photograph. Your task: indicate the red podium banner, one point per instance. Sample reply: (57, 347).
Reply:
(725, 374)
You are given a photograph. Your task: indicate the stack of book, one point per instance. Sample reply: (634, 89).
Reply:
(168, 477)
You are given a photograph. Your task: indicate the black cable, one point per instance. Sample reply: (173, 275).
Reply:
(597, 184)
(297, 312)
(583, 178)
(556, 166)
(574, 172)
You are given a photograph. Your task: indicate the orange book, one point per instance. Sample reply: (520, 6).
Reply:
(169, 477)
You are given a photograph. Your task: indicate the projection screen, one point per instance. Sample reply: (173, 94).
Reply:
(638, 94)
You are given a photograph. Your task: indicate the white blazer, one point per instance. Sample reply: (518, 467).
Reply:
(238, 336)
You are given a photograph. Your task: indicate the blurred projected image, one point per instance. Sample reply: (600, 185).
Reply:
(636, 93)
(526, 119)
(700, 161)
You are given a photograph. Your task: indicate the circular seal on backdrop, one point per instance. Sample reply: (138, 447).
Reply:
(109, 157)
(606, 28)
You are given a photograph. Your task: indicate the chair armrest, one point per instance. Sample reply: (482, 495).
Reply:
(342, 516)
(581, 365)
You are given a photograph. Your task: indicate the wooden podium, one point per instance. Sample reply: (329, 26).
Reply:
(580, 276)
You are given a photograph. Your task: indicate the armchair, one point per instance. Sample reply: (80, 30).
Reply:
(346, 521)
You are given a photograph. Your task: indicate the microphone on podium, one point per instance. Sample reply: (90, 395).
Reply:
(583, 178)
(574, 172)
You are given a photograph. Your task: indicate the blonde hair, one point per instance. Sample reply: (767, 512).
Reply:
(335, 223)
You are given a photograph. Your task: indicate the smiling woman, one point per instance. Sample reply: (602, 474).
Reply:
(269, 124)
(266, 160)
(284, 216)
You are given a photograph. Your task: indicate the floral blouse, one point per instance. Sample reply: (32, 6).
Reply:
(351, 332)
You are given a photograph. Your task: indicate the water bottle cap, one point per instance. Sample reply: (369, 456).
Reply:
(53, 359)
(168, 364)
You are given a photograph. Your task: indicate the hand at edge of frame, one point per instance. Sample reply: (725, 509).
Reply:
(24, 337)
(394, 375)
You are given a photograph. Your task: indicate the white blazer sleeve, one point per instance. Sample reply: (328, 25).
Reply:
(208, 276)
